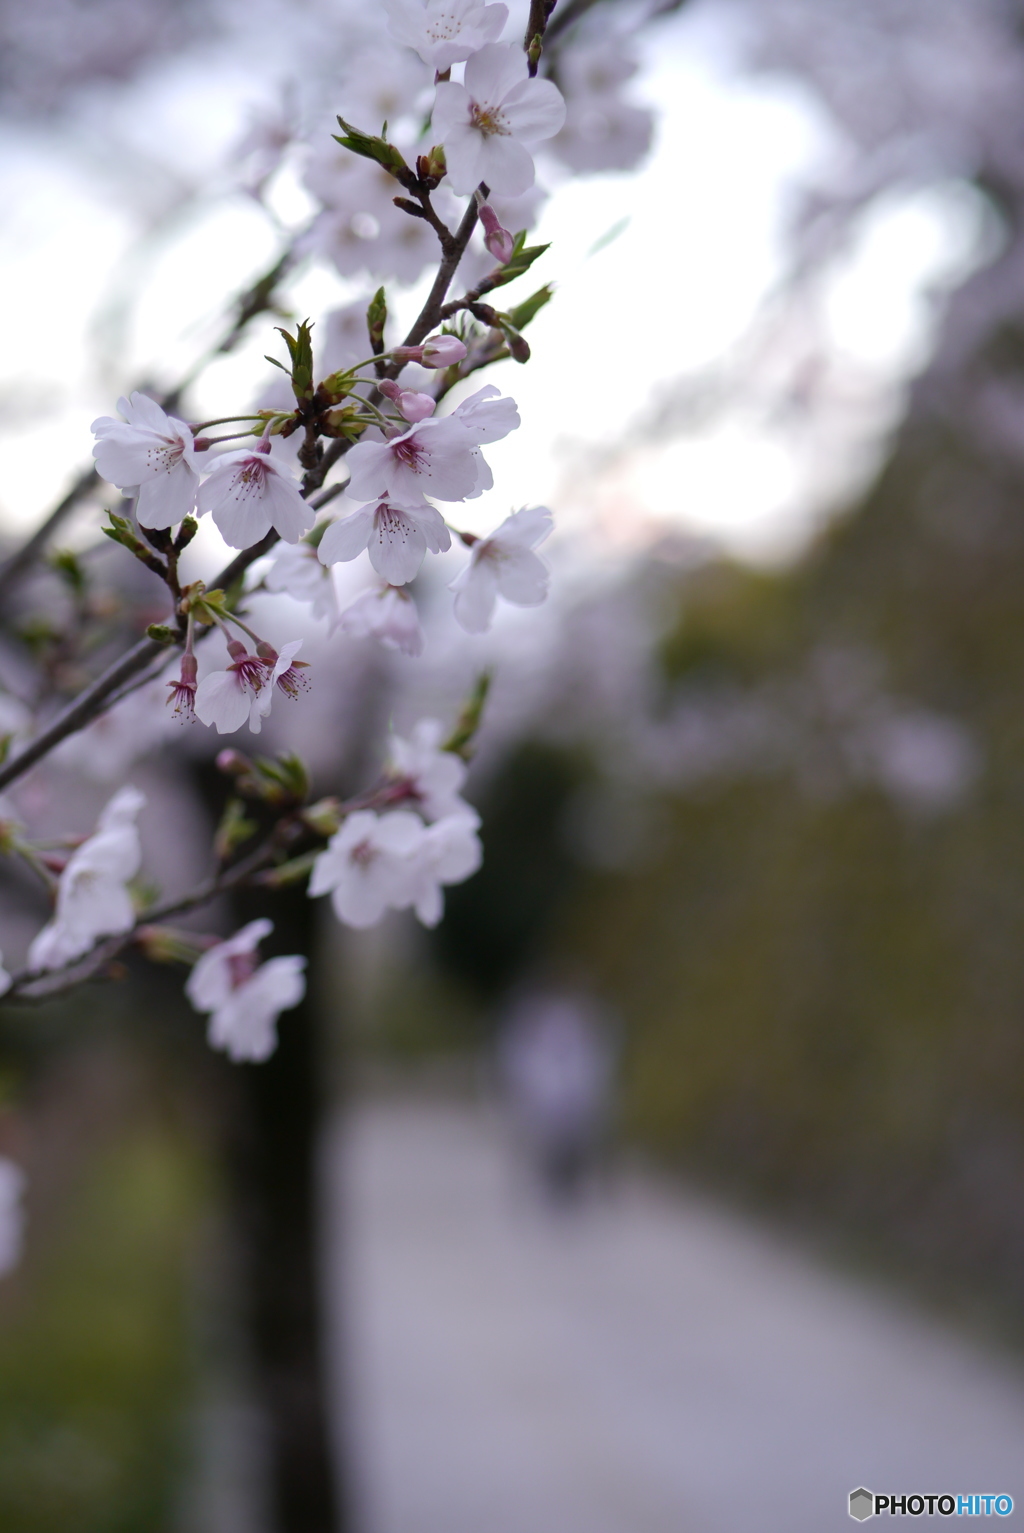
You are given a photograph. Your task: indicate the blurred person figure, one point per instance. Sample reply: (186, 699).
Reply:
(557, 1066)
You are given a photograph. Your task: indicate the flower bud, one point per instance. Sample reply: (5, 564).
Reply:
(415, 407)
(442, 351)
(498, 240)
(439, 351)
(232, 763)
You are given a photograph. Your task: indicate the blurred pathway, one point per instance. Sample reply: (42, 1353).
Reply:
(651, 1364)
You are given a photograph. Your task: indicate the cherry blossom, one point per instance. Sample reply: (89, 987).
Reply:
(243, 996)
(449, 853)
(231, 697)
(92, 894)
(388, 614)
(438, 457)
(485, 124)
(444, 32)
(432, 776)
(285, 672)
(397, 537)
(247, 494)
(368, 865)
(151, 455)
(12, 1219)
(297, 571)
(504, 565)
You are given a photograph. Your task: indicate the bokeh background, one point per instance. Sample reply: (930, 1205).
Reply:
(751, 785)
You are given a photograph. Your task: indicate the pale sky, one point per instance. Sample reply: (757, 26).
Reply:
(673, 293)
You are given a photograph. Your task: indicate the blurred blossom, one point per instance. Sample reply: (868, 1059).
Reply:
(12, 1218)
(243, 996)
(93, 899)
(388, 614)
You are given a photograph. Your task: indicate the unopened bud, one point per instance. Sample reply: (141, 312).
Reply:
(237, 650)
(498, 240)
(415, 407)
(232, 763)
(442, 351)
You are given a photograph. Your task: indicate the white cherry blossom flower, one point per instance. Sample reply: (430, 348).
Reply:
(150, 454)
(297, 571)
(12, 1218)
(444, 32)
(243, 996)
(433, 777)
(486, 123)
(368, 865)
(504, 565)
(92, 894)
(397, 537)
(449, 853)
(388, 614)
(438, 456)
(247, 493)
(230, 698)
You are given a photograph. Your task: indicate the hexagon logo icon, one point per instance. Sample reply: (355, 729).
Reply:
(862, 1504)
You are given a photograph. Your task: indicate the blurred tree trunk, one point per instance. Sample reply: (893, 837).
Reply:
(274, 1134)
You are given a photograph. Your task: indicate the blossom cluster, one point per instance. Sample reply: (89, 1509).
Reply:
(401, 858)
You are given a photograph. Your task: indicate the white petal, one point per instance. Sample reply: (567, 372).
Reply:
(451, 109)
(289, 513)
(368, 465)
(346, 538)
(221, 700)
(534, 110)
(397, 546)
(506, 165)
(476, 591)
(522, 577)
(526, 528)
(463, 148)
(167, 499)
(493, 71)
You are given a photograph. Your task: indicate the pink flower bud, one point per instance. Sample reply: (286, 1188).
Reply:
(415, 407)
(388, 387)
(442, 351)
(498, 240)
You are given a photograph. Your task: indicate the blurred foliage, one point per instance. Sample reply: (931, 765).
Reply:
(824, 990)
(95, 1349)
(496, 923)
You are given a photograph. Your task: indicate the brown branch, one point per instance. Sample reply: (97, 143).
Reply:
(536, 26)
(430, 314)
